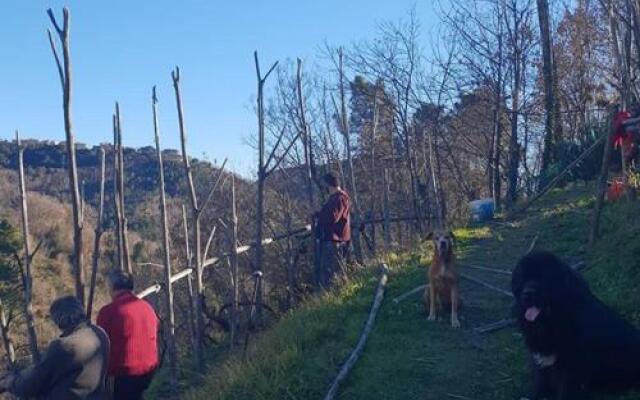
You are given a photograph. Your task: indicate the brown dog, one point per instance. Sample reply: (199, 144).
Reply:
(442, 289)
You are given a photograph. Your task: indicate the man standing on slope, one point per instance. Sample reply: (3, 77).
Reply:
(334, 231)
(132, 326)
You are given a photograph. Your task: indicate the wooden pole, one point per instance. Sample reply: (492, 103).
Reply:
(64, 71)
(28, 276)
(168, 292)
(98, 235)
(368, 327)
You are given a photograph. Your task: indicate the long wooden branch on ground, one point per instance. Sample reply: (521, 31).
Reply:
(355, 354)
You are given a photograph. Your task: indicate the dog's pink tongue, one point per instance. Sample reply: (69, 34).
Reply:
(531, 314)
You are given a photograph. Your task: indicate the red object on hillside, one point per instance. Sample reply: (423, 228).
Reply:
(132, 326)
(616, 189)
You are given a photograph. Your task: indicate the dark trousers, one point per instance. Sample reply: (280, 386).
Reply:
(332, 260)
(131, 387)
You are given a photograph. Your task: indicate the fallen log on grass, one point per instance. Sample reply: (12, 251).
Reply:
(355, 354)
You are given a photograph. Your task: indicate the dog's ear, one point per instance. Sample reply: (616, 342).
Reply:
(429, 236)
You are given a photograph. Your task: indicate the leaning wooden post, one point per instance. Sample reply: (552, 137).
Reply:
(6, 338)
(168, 292)
(195, 214)
(98, 235)
(602, 183)
(368, 327)
(387, 224)
(234, 262)
(64, 71)
(28, 276)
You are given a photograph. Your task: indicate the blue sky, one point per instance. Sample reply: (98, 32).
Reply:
(121, 48)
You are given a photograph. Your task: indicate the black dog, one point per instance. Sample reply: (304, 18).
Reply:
(578, 344)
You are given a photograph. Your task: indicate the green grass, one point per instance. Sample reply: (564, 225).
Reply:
(408, 357)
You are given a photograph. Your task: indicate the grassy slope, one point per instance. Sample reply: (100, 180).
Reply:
(409, 358)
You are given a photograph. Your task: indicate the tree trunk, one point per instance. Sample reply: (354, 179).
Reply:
(6, 338)
(602, 183)
(234, 264)
(98, 235)
(122, 223)
(514, 151)
(28, 276)
(64, 70)
(169, 319)
(548, 155)
(386, 227)
(195, 215)
(344, 127)
(192, 298)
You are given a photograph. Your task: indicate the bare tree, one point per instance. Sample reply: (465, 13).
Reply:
(121, 224)
(98, 235)
(196, 213)
(552, 115)
(265, 168)
(6, 337)
(27, 275)
(64, 72)
(168, 292)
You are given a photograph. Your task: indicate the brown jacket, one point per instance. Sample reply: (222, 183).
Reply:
(334, 219)
(73, 368)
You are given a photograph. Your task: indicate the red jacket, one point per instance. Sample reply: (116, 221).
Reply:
(334, 219)
(132, 327)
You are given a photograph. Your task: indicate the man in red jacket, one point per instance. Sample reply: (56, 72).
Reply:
(334, 231)
(132, 327)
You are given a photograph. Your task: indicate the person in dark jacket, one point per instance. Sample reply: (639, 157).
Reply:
(334, 231)
(74, 366)
(132, 326)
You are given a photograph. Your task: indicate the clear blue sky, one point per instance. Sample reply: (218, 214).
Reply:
(121, 48)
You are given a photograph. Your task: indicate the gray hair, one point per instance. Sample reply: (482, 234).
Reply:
(67, 312)
(120, 280)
